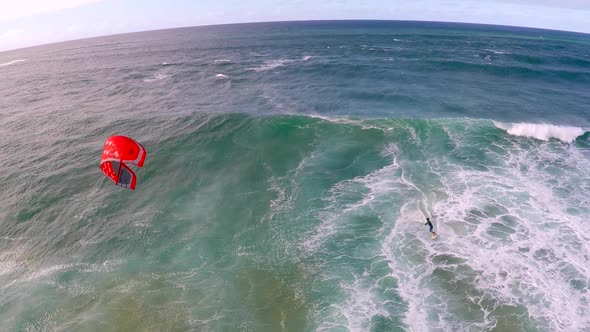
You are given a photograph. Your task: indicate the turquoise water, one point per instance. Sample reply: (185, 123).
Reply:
(288, 168)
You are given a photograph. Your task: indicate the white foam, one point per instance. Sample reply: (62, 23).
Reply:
(271, 64)
(365, 297)
(12, 62)
(106, 266)
(494, 224)
(490, 267)
(525, 205)
(413, 134)
(378, 183)
(496, 52)
(156, 77)
(409, 278)
(277, 63)
(221, 76)
(361, 306)
(346, 120)
(221, 61)
(542, 131)
(522, 189)
(12, 238)
(283, 201)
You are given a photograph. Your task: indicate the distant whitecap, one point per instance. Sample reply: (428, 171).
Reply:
(12, 62)
(542, 131)
(271, 64)
(156, 77)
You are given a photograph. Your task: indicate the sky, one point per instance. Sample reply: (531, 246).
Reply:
(32, 22)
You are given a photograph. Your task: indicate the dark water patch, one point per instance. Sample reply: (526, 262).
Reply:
(513, 72)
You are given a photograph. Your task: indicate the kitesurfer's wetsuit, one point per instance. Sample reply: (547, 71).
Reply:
(429, 224)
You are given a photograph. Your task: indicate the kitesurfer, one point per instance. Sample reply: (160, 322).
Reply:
(431, 227)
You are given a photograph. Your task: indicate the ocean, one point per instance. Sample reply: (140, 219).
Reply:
(290, 168)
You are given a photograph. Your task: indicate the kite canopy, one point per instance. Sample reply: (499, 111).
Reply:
(118, 152)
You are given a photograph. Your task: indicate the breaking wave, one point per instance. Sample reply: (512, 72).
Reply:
(543, 132)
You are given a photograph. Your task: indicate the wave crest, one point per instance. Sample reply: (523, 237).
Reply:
(542, 131)
(12, 62)
(271, 64)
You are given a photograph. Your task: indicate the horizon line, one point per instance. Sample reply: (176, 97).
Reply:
(298, 21)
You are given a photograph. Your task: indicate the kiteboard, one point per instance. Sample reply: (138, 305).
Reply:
(433, 236)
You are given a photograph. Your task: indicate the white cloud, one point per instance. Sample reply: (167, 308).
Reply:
(11, 38)
(571, 4)
(24, 8)
(12, 34)
(74, 28)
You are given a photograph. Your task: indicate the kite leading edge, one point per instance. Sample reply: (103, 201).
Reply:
(117, 154)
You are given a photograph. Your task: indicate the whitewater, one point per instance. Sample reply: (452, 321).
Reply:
(290, 168)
